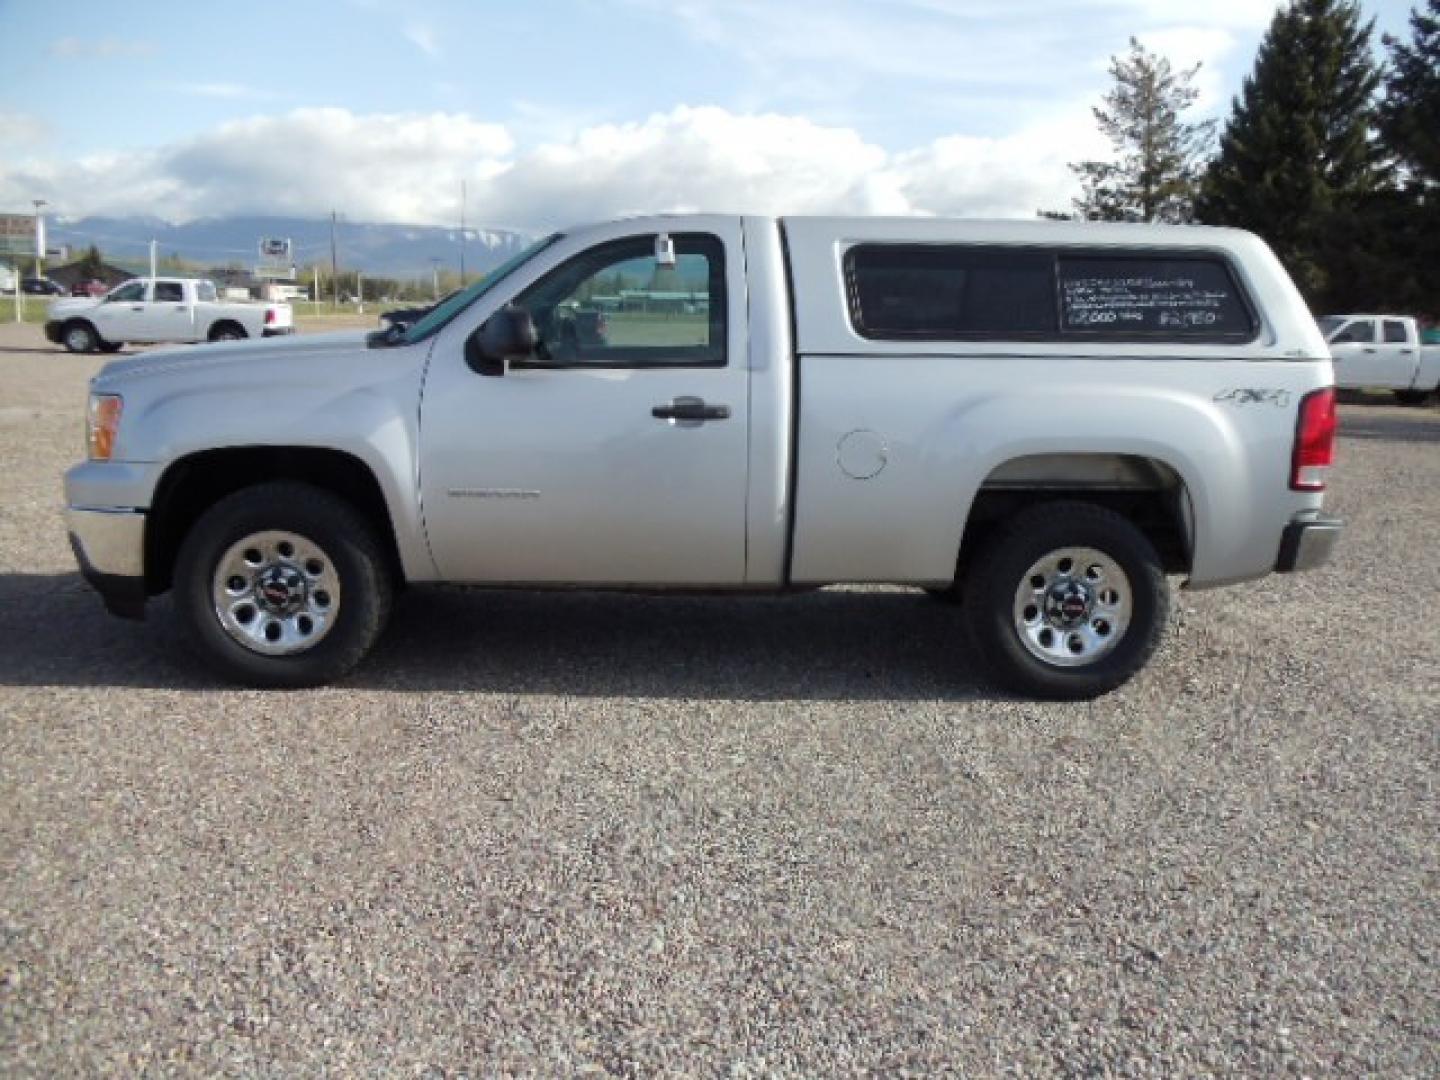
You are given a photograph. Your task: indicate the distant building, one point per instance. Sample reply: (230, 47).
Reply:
(71, 274)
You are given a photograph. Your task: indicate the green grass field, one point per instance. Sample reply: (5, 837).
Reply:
(32, 308)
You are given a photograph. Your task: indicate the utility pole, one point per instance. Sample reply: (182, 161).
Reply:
(154, 246)
(334, 262)
(315, 292)
(462, 234)
(360, 291)
(39, 240)
(434, 277)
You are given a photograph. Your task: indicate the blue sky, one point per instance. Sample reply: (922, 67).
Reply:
(556, 110)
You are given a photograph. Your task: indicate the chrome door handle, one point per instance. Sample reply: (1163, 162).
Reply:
(692, 409)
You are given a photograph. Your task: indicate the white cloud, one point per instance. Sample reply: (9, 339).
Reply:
(1010, 176)
(407, 167)
(226, 91)
(1186, 46)
(17, 128)
(72, 48)
(422, 36)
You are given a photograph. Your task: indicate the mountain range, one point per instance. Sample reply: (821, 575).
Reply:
(392, 250)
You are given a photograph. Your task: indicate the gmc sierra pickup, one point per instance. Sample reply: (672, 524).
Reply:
(1039, 420)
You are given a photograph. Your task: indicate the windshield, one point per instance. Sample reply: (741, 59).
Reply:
(1329, 324)
(447, 309)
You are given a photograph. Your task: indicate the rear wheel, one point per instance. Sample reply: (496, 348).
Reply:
(1412, 397)
(282, 585)
(228, 331)
(1066, 600)
(79, 337)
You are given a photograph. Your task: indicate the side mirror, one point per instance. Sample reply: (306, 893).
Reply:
(509, 332)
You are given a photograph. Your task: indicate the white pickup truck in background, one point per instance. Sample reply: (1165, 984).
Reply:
(160, 311)
(1382, 351)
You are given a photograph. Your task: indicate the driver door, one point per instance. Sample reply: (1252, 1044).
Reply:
(616, 453)
(118, 316)
(1355, 350)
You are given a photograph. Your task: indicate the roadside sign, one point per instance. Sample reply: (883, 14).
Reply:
(277, 260)
(17, 235)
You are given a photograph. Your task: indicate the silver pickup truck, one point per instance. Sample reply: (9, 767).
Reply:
(1038, 420)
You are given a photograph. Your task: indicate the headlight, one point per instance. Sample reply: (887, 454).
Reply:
(102, 425)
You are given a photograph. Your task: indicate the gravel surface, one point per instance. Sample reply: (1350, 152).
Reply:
(568, 834)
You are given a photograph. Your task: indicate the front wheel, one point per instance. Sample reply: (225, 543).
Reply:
(282, 585)
(78, 337)
(1067, 601)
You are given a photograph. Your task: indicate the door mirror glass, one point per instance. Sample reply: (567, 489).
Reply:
(508, 333)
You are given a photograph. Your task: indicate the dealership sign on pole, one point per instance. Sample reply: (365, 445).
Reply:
(18, 236)
(277, 260)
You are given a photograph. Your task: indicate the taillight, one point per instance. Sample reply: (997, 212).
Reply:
(269, 315)
(1314, 441)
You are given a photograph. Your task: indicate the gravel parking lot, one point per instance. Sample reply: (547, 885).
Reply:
(560, 834)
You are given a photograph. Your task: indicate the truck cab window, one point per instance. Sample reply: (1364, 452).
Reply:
(1361, 331)
(130, 292)
(1395, 331)
(615, 306)
(169, 292)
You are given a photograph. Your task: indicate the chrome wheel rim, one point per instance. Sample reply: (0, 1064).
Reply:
(276, 593)
(77, 340)
(1073, 607)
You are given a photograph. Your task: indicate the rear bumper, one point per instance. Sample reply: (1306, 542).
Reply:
(109, 545)
(1308, 541)
(277, 331)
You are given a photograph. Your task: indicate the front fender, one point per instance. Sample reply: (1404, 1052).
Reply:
(233, 406)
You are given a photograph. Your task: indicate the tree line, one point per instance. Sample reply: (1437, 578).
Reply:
(91, 264)
(1328, 153)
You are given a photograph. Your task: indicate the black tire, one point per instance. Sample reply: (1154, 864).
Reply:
(79, 337)
(228, 331)
(111, 346)
(329, 522)
(1412, 397)
(1000, 568)
(945, 594)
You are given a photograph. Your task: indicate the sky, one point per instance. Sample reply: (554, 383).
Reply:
(561, 111)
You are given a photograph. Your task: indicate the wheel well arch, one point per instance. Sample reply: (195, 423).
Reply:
(1147, 491)
(218, 324)
(196, 482)
(78, 320)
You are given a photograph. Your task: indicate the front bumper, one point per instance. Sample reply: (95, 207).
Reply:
(109, 545)
(277, 331)
(1308, 541)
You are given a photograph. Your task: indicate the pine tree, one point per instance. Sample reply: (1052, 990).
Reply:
(1297, 156)
(1158, 155)
(1410, 113)
(91, 263)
